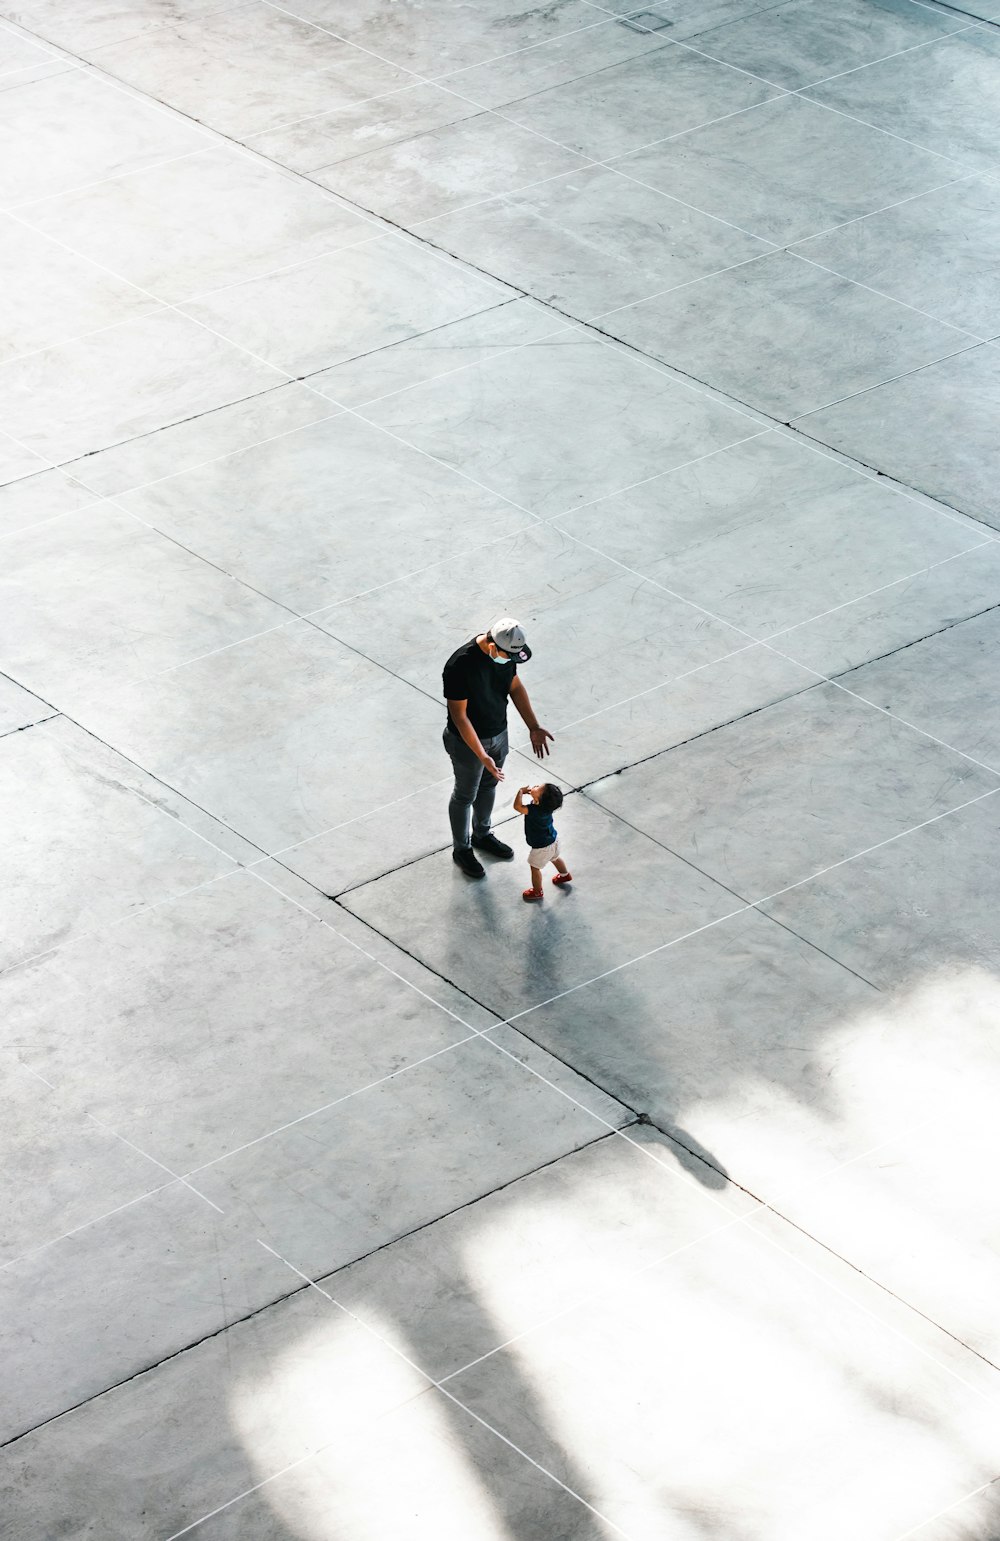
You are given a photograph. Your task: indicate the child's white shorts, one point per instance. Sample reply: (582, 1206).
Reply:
(540, 856)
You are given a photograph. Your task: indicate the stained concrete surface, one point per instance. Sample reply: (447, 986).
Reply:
(345, 1200)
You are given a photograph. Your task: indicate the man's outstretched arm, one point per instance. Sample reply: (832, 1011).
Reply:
(540, 736)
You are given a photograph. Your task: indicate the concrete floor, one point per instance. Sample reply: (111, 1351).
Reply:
(346, 1200)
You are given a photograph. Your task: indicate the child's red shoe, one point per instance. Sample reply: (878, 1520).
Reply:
(563, 877)
(529, 893)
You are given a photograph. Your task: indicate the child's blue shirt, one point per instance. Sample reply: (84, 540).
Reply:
(539, 830)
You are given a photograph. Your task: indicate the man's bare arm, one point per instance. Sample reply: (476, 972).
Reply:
(457, 711)
(539, 736)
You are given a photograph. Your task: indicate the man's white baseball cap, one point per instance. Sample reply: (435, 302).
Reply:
(509, 637)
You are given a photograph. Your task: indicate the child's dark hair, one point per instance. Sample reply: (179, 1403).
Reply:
(551, 798)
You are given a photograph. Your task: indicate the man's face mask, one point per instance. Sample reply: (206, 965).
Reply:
(499, 657)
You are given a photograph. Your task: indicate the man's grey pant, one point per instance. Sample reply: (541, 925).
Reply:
(471, 805)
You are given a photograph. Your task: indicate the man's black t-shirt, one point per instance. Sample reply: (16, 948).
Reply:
(471, 675)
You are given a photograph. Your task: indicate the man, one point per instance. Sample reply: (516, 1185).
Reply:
(478, 679)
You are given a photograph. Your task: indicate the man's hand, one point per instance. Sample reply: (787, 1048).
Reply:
(493, 768)
(540, 741)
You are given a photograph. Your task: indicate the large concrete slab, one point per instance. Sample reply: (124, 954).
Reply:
(551, 582)
(263, 513)
(896, 95)
(114, 132)
(943, 685)
(131, 223)
(474, 1119)
(731, 1318)
(275, 736)
(958, 461)
(266, 459)
(767, 801)
(447, 168)
(593, 241)
(93, 392)
(95, 598)
(911, 253)
(788, 169)
(799, 43)
(789, 337)
(279, 987)
(208, 68)
(770, 534)
(337, 307)
(560, 422)
(90, 838)
(629, 895)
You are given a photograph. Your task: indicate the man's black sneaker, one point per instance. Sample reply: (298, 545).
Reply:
(493, 847)
(463, 857)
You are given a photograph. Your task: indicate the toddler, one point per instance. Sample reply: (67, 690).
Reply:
(540, 833)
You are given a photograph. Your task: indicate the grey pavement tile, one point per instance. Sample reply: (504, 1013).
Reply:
(574, 56)
(447, 168)
(323, 138)
(970, 1519)
(130, 379)
(451, 1476)
(254, 982)
(372, 945)
(767, 801)
(560, 422)
(944, 684)
(920, 907)
(113, 132)
(904, 96)
(89, 839)
(414, 825)
(472, 340)
(440, 36)
(24, 58)
(95, 598)
(156, 1454)
(469, 1121)
(808, 40)
(629, 895)
(324, 512)
(181, 229)
(686, 18)
(938, 252)
(209, 68)
(638, 101)
(593, 241)
(61, 1170)
(789, 338)
(769, 534)
(152, 457)
(753, 1046)
(19, 708)
(561, 592)
(912, 1213)
(280, 737)
(49, 295)
(84, 29)
(104, 1304)
(898, 615)
(560, 1236)
(788, 169)
(35, 498)
(934, 430)
(17, 461)
(734, 1320)
(337, 307)
(688, 704)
